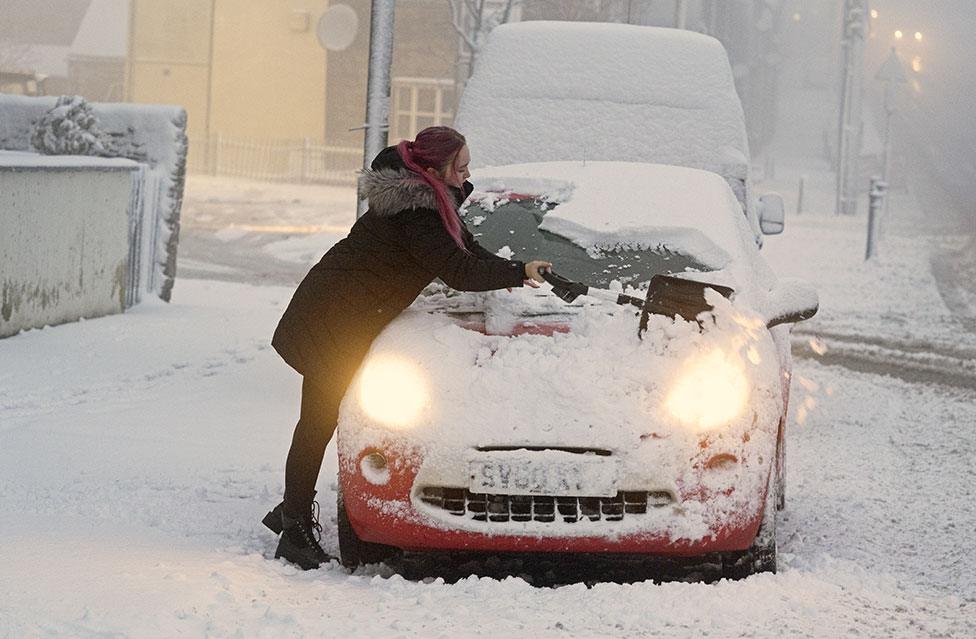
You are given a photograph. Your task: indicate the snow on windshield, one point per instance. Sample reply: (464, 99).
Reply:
(605, 205)
(545, 91)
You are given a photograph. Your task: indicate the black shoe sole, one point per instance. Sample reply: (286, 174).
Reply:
(273, 519)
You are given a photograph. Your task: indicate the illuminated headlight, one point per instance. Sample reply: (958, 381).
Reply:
(711, 390)
(392, 391)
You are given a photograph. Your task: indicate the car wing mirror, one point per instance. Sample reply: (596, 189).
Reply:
(772, 214)
(793, 300)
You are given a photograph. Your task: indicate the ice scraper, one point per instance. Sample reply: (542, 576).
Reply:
(667, 295)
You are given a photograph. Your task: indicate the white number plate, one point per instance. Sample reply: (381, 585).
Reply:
(583, 477)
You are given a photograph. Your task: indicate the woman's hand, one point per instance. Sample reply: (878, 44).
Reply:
(534, 271)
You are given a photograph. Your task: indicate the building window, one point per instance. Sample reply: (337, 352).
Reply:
(419, 103)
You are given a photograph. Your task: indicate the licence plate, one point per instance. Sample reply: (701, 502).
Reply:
(583, 477)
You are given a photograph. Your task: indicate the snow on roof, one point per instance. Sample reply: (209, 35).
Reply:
(605, 203)
(544, 91)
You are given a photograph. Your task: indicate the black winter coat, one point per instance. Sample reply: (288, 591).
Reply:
(391, 253)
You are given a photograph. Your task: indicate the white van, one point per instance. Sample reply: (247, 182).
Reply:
(557, 91)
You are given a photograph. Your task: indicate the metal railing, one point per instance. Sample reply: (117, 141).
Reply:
(304, 161)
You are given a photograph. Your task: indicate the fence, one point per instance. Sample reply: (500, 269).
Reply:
(275, 160)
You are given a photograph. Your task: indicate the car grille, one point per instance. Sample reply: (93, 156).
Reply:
(542, 508)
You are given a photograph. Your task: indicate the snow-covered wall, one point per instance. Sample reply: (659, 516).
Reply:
(153, 135)
(64, 241)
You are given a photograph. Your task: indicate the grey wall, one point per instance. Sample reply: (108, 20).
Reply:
(63, 239)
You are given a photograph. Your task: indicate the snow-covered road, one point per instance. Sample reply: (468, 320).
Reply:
(138, 452)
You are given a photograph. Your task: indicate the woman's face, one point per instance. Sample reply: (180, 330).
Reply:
(456, 173)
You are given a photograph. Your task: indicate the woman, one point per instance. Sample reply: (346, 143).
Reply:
(410, 235)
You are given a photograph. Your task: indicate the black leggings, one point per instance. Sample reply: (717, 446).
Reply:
(316, 424)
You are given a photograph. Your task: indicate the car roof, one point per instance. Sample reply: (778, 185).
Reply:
(549, 91)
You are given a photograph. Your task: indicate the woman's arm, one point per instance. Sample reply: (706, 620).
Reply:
(429, 243)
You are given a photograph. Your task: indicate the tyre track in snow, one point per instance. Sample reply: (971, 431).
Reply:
(914, 362)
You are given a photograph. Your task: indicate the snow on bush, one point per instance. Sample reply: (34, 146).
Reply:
(70, 127)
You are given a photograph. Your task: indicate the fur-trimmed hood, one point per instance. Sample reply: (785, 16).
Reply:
(391, 190)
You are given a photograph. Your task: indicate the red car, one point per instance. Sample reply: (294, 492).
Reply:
(520, 425)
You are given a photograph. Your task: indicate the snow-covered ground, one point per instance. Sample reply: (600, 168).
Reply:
(139, 452)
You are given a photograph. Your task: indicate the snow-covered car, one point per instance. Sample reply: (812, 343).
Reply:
(513, 422)
(576, 91)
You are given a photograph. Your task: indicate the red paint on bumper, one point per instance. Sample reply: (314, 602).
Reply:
(385, 515)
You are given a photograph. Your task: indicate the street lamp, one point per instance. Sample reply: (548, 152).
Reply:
(850, 126)
(891, 72)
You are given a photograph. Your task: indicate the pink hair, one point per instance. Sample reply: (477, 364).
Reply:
(436, 148)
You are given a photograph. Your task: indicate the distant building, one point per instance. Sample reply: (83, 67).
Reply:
(258, 87)
(54, 47)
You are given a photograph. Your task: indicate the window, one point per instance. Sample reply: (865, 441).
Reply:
(419, 103)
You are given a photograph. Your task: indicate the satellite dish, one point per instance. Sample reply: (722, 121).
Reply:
(337, 27)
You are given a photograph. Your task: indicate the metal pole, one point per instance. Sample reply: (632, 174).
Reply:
(886, 165)
(799, 194)
(842, 121)
(876, 199)
(849, 133)
(889, 111)
(680, 14)
(378, 83)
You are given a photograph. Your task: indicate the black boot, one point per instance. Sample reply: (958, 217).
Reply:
(300, 537)
(272, 520)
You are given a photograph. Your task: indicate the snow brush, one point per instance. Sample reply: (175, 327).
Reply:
(667, 295)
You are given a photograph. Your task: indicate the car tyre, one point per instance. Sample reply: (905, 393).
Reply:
(353, 551)
(764, 547)
(781, 470)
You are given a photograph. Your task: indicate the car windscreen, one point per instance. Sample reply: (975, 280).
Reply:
(515, 224)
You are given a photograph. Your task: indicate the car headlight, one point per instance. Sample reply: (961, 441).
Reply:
(711, 390)
(392, 391)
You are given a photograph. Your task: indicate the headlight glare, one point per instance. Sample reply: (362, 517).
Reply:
(712, 390)
(392, 391)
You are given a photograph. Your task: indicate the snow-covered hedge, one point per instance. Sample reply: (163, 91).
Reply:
(153, 135)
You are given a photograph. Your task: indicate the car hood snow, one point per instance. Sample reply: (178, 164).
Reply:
(595, 386)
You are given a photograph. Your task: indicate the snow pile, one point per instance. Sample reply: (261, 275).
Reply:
(546, 91)
(69, 128)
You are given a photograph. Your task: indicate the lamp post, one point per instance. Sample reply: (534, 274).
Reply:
(378, 83)
(891, 72)
(849, 133)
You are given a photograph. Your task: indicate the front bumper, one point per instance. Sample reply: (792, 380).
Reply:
(398, 511)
